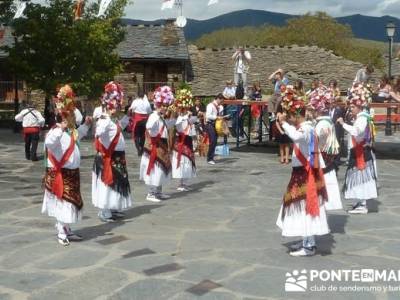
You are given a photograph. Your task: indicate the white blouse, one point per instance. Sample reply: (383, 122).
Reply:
(106, 129)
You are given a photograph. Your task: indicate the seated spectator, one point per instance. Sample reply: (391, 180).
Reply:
(256, 94)
(364, 74)
(333, 86)
(395, 93)
(383, 90)
(314, 85)
(229, 91)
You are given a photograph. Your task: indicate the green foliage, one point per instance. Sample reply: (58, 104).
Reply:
(54, 49)
(309, 30)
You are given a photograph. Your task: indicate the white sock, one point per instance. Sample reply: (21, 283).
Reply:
(60, 226)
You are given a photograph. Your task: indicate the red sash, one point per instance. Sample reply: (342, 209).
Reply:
(58, 184)
(182, 136)
(136, 119)
(312, 201)
(29, 130)
(153, 154)
(107, 175)
(359, 152)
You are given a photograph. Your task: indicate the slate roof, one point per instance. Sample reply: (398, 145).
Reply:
(153, 42)
(142, 42)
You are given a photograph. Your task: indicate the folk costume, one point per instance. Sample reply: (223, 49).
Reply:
(320, 101)
(32, 120)
(141, 110)
(62, 196)
(111, 191)
(183, 159)
(361, 175)
(303, 211)
(155, 165)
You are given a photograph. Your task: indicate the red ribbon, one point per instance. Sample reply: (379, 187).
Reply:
(29, 130)
(153, 154)
(359, 152)
(107, 175)
(312, 200)
(57, 187)
(136, 119)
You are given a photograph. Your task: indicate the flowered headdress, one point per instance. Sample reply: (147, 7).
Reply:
(163, 96)
(113, 95)
(184, 98)
(360, 95)
(291, 102)
(65, 99)
(321, 98)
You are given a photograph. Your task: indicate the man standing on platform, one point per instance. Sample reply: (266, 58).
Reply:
(31, 120)
(241, 60)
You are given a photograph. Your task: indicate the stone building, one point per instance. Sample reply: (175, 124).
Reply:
(211, 68)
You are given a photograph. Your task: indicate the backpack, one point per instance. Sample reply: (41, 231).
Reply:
(239, 90)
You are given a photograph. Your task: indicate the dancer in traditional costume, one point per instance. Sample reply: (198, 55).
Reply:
(111, 191)
(31, 120)
(303, 211)
(183, 160)
(361, 175)
(321, 100)
(62, 196)
(141, 110)
(155, 165)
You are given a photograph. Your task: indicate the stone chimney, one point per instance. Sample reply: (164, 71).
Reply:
(169, 34)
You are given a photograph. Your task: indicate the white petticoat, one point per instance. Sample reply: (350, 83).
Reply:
(104, 197)
(332, 188)
(185, 169)
(157, 177)
(298, 223)
(63, 211)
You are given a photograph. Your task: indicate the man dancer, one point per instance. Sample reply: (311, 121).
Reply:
(31, 120)
(141, 110)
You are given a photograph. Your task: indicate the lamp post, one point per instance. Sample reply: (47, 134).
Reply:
(390, 31)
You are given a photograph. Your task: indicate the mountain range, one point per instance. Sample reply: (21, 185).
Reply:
(364, 27)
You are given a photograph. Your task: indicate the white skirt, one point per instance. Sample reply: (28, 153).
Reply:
(332, 188)
(298, 223)
(60, 209)
(106, 198)
(157, 176)
(362, 191)
(186, 170)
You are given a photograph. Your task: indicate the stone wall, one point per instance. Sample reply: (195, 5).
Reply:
(212, 67)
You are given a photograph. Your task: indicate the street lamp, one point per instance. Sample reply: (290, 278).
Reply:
(390, 31)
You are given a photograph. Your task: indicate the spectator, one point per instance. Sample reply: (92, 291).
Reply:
(278, 79)
(229, 91)
(383, 90)
(314, 85)
(364, 75)
(395, 93)
(241, 60)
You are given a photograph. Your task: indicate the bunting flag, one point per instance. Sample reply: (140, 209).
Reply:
(167, 4)
(211, 2)
(104, 4)
(20, 9)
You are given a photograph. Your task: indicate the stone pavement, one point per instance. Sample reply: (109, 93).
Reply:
(217, 242)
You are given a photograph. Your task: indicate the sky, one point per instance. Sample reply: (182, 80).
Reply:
(198, 9)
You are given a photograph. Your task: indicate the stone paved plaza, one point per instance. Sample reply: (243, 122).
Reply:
(217, 242)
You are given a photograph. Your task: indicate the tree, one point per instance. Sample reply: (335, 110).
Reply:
(52, 48)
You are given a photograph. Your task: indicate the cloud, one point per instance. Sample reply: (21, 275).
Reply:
(198, 9)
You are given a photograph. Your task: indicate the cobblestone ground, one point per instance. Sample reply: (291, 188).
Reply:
(217, 242)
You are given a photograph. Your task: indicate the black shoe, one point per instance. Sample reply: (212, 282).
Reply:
(35, 159)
